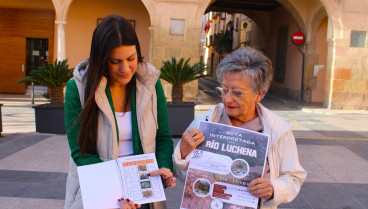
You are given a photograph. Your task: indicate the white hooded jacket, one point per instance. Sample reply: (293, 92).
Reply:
(286, 174)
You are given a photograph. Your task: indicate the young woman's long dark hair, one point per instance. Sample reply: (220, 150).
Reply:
(112, 32)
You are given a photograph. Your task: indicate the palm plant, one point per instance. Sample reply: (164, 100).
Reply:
(53, 75)
(180, 73)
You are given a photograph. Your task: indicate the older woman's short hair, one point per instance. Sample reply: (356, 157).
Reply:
(248, 61)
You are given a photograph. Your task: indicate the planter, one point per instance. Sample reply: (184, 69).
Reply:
(50, 119)
(1, 122)
(180, 116)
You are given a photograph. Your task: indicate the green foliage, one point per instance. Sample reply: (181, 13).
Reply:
(46, 95)
(179, 73)
(223, 40)
(51, 75)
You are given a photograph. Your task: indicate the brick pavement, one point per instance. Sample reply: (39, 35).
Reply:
(332, 145)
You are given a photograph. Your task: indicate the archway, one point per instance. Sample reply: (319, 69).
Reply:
(283, 17)
(83, 16)
(273, 21)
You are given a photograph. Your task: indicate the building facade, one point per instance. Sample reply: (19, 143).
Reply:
(330, 68)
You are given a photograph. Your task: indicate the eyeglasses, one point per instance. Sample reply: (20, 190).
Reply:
(234, 93)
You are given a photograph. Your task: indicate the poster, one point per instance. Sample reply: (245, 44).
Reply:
(222, 167)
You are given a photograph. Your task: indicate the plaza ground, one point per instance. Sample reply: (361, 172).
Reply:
(332, 146)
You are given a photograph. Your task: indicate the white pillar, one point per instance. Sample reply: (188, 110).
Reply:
(60, 39)
(152, 36)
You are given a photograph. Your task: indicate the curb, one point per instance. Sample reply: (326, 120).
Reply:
(334, 112)
(203, 107)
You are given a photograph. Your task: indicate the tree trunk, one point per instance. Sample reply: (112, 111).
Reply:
(177, 94)
(57, 95)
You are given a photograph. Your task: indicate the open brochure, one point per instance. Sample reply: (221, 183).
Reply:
(221, 168)
(102, 184)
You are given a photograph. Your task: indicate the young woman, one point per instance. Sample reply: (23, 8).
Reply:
(115, 106)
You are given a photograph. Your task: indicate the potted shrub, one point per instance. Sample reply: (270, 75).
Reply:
(177, 74)
(50, 117)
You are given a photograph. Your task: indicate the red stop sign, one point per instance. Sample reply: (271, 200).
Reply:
(297, 38)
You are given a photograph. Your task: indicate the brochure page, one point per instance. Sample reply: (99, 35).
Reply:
(102, 184)
(138, 186)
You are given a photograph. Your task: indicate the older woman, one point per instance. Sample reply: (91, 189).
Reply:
(245, 76)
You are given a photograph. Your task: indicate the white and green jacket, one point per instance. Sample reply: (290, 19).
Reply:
(150, 126)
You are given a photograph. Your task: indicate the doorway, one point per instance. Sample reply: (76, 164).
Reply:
(37, 53)
(12, 58)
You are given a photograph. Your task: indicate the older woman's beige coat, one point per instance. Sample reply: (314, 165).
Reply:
(286, 174)
(107, 144)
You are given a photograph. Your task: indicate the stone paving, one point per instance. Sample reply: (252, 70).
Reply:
(332, 145)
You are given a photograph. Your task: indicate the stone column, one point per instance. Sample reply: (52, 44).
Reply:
(329, 74)
(60, 39)
(309, 62)
(61, 10)
(151, 30)
(346, 87)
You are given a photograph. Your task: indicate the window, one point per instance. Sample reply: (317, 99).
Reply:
(247, 36)
(282, 40)
(237, 24)
(222, 15)
(37, 53)
(177, 27)
(358, 38)
(212, 59)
